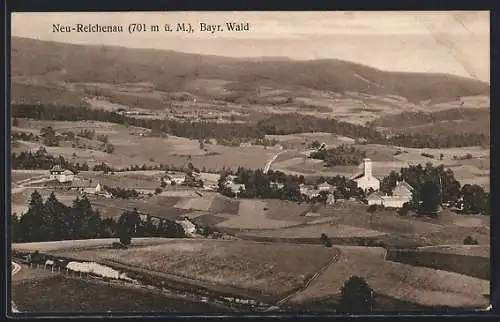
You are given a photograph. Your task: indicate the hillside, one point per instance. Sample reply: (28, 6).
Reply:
(175, 72)
(444, 122)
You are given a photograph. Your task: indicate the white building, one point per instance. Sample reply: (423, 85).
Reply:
(401, 194)
(61, 175)
(276, 185)
(366, 180)
(188, 226)
(325, 186)
(178, 178)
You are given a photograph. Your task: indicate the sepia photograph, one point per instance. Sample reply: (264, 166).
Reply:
(249, 162)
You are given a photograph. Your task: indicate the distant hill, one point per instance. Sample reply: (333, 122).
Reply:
(457, 120)
(172, 71)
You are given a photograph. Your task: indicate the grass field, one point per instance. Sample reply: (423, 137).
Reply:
(21, 198)
(252, 214)
(72, 295)
(424, 286)
(83, 244)
(212, 202)
(385, 159)
(131, 148)
(467, 250)
(22, 175)
(157, 206)
(315, 231)
(262, 268)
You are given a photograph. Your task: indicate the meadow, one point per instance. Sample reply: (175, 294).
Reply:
(261, 268)
(421, 285)
(73, 295)
(132, 148)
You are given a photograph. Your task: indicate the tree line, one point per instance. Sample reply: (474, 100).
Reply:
(41, 160)
(244, 132)
(52, 221)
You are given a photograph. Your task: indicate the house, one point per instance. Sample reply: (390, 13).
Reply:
(304, 188)
(55, 172)
(60, 174)
(403, 189)
(366, 180)
(374, 198)
(311, 193)
(325, 186)
(188, 226)
(276, 185)
(98, 190)
(330, 200)
(401, 194)
(177, 178)
(236, 187)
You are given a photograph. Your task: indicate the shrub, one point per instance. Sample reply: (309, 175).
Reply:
(470, 241)
(325, 240)
(356, 296)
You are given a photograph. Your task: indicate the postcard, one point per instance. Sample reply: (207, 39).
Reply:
(249, 162)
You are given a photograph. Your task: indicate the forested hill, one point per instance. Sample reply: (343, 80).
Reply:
(174, 71)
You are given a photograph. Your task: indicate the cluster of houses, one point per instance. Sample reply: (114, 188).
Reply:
(364, 180)
(67, 179)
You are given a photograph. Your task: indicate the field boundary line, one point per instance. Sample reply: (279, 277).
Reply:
(312, 279)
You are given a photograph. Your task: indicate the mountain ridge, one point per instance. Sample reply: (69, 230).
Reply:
(170, 70)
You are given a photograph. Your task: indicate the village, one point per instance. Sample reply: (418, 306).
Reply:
(280, 173)
(200, 183)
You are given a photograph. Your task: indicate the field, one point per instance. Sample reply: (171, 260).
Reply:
(132, 148)
(343, 223)
(21, 197)
(463, 259)
(157, 206)
(72, 295)
(385, 159)
(315, 231)
(467, 250)
(74, 245)
(259, 214)
(22, 175)
(425, 286)
(261, 268)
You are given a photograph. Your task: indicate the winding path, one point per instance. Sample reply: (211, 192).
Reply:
(270, 162)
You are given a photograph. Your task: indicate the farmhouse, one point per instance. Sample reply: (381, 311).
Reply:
(366, 180)
(277, 185)
(401, 194)
(61, 175)
(98, 191)
(177, 178)
(187, 225)
(236, 187)
(311, 193)
(325, 186)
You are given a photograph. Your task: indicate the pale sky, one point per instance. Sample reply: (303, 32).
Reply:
(455, 42)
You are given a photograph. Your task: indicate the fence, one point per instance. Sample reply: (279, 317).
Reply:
(63, 270)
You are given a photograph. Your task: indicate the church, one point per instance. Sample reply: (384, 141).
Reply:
(365, 180)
